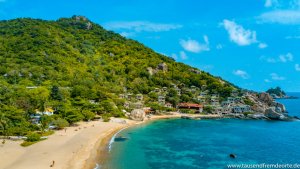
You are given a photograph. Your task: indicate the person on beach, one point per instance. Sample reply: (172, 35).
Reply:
(3, 142)
(52, 165)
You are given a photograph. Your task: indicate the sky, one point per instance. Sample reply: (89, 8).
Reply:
(254, 44)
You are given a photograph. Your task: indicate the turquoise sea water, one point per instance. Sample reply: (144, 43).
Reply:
(196, 144)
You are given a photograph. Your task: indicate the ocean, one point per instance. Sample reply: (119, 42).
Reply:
(206, 144)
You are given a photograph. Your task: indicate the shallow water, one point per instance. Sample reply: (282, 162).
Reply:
(196, 144)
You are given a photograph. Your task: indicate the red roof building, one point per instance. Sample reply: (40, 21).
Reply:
(194, 106)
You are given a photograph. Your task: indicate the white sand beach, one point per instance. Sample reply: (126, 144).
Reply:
(70, 149)
(77, 148)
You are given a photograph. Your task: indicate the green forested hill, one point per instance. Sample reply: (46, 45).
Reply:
(65, 64)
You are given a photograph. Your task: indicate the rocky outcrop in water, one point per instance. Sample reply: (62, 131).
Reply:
(265, 107)
(273, 114)
(279, 106)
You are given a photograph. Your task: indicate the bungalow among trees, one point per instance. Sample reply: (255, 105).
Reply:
(191, 106)
(48, 111)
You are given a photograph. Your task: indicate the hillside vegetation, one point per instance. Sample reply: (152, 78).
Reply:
(79, 69)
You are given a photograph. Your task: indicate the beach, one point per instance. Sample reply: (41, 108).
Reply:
(70, 149)
(76, 148)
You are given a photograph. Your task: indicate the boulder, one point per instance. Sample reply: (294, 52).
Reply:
(257, 116)
(138, 115)
(266, 98)
(258, 108)
(272, 114)
(150, 71)
(279, 106)
(163, 67)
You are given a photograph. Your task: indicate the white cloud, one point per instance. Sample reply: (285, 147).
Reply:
(241, 73)
(268, 3)
(142, 26)
(219, 46)
(238, 34)
(271, 60)
(275, 76)
(194, 46)
(284, 58)
(127, 34)
(271, 3)
(295, 4)
(297, 67)
(287, 16)
(267, 81)
(262, 45)
(292, 37)
(183, 55)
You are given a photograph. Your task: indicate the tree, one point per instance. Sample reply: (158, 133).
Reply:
(55, 93)
(45, 121)
(33, 137)
(74, 116)
(208, 109)
(60, 123)
(88, 115)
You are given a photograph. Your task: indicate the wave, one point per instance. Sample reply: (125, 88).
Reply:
(98, 166)
(112, 140)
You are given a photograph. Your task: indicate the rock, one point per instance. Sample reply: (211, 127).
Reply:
(257, 116)
(232, 155)
(279, 106)
(296, 117)
(190, 117)
(163, 67)
(120, 139)
(266, 98)
(195, 71)
(151, 71)
(272, 114)
(138, 115)
(88, 25)
(258, 108)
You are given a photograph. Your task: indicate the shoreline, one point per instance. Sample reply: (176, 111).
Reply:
(80, 147)
(103, 148)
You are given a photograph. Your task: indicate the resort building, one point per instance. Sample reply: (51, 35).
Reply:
(47, 111)
(178, 91)
(225, 103)
(165, 89)
(168, 105)
(129, 96)
(138, 105)
(122, 96)
(241, 109)
(156, 90)
(197, 107)
(139, 97)
(231, 100)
